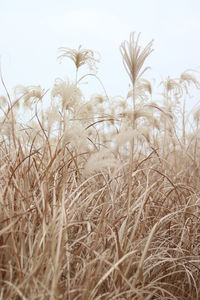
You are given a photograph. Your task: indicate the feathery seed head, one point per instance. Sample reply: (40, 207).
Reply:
(172, 85)
(134, 57)
(98, 98)
(80, 57)
(68, 93)
(187, 79)
(85, 112)
(29, 92)
(99, 161)
(76, 137)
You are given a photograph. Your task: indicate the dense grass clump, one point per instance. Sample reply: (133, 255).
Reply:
(99, 198)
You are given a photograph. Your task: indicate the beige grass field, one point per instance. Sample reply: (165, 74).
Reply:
(100, 197)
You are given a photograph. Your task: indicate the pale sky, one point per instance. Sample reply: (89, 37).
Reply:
(32, 31)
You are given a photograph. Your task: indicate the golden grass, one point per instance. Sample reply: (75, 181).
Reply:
(76, 220)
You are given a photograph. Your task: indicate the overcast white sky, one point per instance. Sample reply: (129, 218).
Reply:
(31, 31)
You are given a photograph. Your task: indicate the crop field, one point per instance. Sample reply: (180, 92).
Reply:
(100, 196)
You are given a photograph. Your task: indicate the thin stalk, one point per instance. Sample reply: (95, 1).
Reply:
(132, 145)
